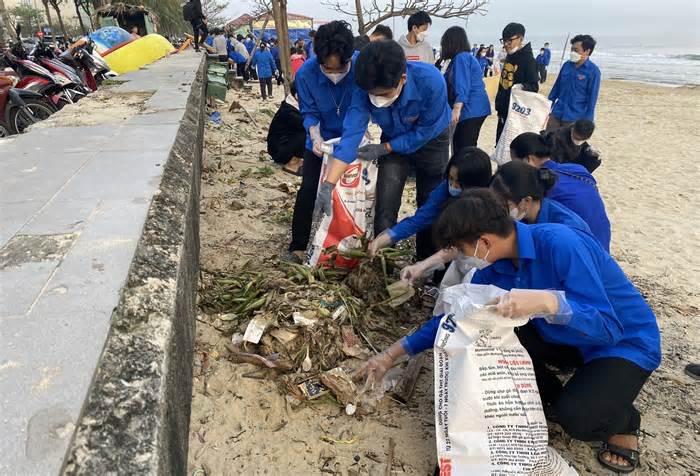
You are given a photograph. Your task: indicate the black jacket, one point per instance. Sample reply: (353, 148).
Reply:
(565, 151)
(519, 68)
(192, 10)
(286, 137)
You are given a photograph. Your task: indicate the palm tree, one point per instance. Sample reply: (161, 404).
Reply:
(56, 4)
(47, 10)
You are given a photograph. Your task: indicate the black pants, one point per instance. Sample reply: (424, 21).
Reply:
(429, 163)
(223, 59)
(598, 401)
(197, 27)
(306, 199)
(242, 71)
(252, 73)
(266, 83)
(280, 79)
(293, 146)
(467, 133)
(542, 70)
(499, 126)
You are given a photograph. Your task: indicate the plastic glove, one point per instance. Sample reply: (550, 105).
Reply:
(423, 268)
(456, 112)
(374, 369)
(519, 303)
(371, 152)
(382, 241)
(316, 140)
(324, 199)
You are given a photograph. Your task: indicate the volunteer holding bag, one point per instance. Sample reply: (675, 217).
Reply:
(466, 93)
(584, 311)
(409, 102)
(325, 85)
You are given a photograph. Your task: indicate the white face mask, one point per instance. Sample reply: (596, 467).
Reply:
(381, 101)
(575, 57)
(421, 36)
(335, 78)
(516, 214)
(468, 262)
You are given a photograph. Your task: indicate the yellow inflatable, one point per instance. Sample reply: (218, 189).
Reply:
(138, 53)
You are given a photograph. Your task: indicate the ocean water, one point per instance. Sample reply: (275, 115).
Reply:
(672, 66)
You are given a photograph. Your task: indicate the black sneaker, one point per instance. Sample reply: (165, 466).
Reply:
(693, 370)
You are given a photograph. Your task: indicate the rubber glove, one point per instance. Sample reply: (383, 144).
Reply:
(316, 140)
(382, 241)
(422, 268)
(371, 152)
(324, 199)
(374, 369)
(518, 303)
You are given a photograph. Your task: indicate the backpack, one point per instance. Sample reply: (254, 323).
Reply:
(189, 11)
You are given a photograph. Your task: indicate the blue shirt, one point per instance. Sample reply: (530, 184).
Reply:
(541, 59)
(265, 64)
(309, 48)
(467, 77)
(321, 101)
(275, 51)
(419, 115)
(424, 216)
(575, 92)
(577, 190)
(209, 41)
(249, 45)
(609, 316)
(547, 56)
(552, 211)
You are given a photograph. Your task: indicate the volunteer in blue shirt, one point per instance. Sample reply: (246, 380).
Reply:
(466, 93)
(309, 47)
(469, 167)
(409, 102)
(585, 313)
(275, 51)
(265, 64)
(324, 87)
(575, 188)
(575, 92)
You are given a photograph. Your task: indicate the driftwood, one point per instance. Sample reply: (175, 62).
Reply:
(404, 388)
(390, 461)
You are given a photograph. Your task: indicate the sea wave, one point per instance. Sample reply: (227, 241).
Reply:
(690, 57)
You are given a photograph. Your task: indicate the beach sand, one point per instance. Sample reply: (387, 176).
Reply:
(649, 180)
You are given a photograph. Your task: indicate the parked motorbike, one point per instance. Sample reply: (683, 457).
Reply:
(19, 108)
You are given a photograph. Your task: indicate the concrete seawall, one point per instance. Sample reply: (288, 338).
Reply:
(99, 251)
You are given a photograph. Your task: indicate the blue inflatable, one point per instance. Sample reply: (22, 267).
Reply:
(109, 38)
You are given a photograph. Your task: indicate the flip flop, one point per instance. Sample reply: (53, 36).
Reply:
(298, 173)
(630, 455)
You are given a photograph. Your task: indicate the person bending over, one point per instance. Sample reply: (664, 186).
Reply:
(287, 136)
(408, 101)
(569, 145)
(575, 188)
(600, 324)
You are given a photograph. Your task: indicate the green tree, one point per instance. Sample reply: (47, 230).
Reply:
(30, 18)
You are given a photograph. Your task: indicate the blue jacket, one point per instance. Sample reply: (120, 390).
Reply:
(541, 59)
(609, 316)
(484, 63)
(210, 40)
(424, 216)
(575, 92)
(264, 62)
(547, 56)
(249, 45)
(309, 49)
(275, 51)
(233, 54)
(577, 190)
(552, 211)
(465, 76)
(419, 115)
(321, 101)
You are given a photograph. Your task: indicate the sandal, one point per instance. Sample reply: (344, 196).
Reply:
(632, 456)
(299, 172)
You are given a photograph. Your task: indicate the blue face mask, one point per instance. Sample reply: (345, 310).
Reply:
(454, 191)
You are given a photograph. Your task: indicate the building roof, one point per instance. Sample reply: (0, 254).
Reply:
(246, 19)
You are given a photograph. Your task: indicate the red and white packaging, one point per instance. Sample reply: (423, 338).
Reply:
(488, 414)
(352, 215)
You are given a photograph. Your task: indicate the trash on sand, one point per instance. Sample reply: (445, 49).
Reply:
(237, 338)
(339, 381)
(313, 388)
(306, 364)
(399, 292)
(283, 335)
(301, 320)
(255, 329)
(350, 409)
(271, 361)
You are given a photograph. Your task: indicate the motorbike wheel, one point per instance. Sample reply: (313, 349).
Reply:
(4, 130)
(19, 120)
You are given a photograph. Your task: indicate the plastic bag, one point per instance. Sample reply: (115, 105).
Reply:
(488, 414)
(528, 112)
(352, 215)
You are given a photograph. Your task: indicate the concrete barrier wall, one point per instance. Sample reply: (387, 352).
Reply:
(136, 415)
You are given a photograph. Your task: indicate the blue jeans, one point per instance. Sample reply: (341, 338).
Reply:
(429, 163)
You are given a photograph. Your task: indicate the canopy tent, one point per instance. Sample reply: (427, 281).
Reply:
(299, 26)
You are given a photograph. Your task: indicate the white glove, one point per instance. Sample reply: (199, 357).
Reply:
(316, 140)
(382, 241)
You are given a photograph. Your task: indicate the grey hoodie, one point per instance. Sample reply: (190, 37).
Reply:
(421, 51)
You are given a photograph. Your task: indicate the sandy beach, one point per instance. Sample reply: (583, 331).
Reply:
(649, 179)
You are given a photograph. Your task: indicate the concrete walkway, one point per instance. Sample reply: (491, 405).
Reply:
(73, 201)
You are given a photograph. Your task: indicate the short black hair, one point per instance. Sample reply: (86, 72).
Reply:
(384, 31)
(453, 42)
(475, 213)
(546, 43)
(334, 38)
(239, 37)
(473, 167)
(587, 42)
(530, 143)
(513, 29)
(584, 128)
(380, 64)
(419, 19)
(516, 180)
(312, 33)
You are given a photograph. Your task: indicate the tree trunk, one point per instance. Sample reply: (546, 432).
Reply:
(360, 18)
(283, 43)
(257, 39)
(57, 8)
(47, 10)
(80, 18)
(5, 17)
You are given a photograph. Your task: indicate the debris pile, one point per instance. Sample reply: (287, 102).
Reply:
(312, 327)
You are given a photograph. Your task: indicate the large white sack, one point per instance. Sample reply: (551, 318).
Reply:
(528, 112)
(488, 414)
